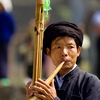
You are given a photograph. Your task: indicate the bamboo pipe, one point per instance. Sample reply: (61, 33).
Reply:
(53, 74)
(49, 79)
(38, 40)
(38, 37)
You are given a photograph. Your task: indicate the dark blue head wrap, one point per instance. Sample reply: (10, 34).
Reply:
(59, 29)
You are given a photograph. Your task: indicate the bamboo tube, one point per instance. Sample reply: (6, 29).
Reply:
(38, 43)
(49, 79)
(38, 40)
(53, 74)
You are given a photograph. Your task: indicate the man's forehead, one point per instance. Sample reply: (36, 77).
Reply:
(63, 39)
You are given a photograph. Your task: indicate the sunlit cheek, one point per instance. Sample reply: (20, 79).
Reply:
(74, 56)
(54, 61)
(55, 58)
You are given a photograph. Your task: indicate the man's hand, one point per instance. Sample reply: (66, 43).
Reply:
(41, 90)
(29, 93)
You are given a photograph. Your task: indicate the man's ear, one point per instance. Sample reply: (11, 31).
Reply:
(78, 51)
(48, 52)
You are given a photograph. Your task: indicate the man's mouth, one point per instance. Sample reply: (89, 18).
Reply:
(65, 60)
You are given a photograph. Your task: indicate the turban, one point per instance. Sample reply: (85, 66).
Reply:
(59, 29)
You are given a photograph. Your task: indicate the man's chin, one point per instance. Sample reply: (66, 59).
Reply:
(66, 66)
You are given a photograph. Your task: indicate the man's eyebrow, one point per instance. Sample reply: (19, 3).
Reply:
(71, 43)
(57, 43)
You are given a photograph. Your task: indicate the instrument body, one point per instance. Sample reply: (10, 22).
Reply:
(38, 40)
(38, 45)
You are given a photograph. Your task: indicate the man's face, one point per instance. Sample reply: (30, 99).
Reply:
(64, 49)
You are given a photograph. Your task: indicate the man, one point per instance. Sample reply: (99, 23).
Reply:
(7, 29)
(62, 42)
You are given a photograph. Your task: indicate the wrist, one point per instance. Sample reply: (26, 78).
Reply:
(56, 98)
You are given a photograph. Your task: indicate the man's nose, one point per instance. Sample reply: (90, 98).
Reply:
(64, 52)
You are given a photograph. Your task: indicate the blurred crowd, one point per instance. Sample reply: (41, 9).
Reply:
(85, 13)
(7, 29)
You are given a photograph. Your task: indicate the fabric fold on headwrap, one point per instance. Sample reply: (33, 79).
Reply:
(59, 29)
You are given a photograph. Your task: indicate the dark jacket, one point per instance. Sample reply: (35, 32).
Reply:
(79, 85)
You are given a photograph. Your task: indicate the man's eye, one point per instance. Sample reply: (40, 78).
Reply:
(57, 47)
(71, 47)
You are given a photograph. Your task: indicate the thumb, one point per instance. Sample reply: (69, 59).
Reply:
(52, 84)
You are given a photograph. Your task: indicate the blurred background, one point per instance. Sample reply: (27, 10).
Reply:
(16, 42)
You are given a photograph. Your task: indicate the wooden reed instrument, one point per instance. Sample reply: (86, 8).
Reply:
(38, 40)
(38, 43)
(50, 78)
